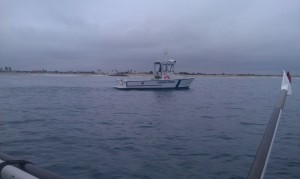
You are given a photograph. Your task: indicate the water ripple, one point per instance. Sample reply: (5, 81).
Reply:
(80, 127)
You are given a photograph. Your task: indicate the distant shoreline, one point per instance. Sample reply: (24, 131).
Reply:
(124, 74)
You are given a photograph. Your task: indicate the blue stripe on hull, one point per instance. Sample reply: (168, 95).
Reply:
(178, 83)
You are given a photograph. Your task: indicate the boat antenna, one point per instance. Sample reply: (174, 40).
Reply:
(260, 162)
(166, 54)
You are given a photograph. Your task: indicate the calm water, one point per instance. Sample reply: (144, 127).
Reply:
(80, 127)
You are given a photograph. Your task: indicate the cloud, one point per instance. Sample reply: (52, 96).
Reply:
(211, 36)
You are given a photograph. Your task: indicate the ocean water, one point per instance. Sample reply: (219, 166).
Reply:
(80, 127)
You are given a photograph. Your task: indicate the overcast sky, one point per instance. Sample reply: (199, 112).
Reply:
(215, 36)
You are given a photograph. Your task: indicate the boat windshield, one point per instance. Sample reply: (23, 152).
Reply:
(170, 68)
(164, 67)
(167, 67)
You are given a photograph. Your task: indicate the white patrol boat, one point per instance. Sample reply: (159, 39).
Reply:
(164, 78)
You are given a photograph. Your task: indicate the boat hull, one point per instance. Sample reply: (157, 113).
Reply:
(156, 84)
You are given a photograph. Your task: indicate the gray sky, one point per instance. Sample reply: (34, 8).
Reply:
(215, 36)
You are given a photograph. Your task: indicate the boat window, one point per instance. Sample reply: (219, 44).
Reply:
(170, 68)
(164, 68)
(157, 68)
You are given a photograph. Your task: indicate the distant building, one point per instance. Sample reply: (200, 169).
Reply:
(6, 69)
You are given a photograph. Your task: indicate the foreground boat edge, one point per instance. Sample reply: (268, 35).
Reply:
(261, 159)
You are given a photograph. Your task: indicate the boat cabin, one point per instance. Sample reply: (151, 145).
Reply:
(164, 69)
